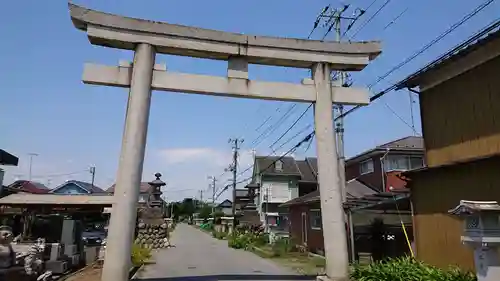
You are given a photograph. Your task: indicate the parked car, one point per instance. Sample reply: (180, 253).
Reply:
(94, 237)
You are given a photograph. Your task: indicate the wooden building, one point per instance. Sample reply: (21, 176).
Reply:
(459, 98)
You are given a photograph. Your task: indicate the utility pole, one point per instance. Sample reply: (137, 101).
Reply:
(234, 167)
(212, 185)
(334, 21)
(92, 171)
(31, 154)
(334, 18)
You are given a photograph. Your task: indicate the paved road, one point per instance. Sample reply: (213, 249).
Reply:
(199, 257)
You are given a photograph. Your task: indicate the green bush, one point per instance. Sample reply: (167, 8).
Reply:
(140, 255)
(219, 235)
(406, 269)
(260, 239)
(239, 241)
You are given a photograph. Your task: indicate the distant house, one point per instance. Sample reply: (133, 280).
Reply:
(379, 167)
(143, 191)
(277, 179)
(226, 207)
(73, 187)
(305, 225)
(26, 186)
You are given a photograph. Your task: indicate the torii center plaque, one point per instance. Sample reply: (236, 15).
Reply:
(142, 76)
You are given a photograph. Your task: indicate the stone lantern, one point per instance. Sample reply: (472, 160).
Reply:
(154, 199)
(481, 232)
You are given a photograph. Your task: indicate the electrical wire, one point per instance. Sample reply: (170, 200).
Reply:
(59, 175)
(423, 49)
(292, 138)
(433, 42)
(305, 139)
(365, 23)
(293, 125)
(276, 125)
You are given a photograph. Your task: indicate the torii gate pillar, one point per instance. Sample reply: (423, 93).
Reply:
(332, 215)
(147, 38)
(124, 211)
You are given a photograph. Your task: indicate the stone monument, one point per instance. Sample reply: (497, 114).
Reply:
(7, 255)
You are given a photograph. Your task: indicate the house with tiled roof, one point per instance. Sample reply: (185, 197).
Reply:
(380, 166)
(27, 186)
(73, 187)
(143, 191)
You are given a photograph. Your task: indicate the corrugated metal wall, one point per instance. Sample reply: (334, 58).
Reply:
(434, 192)
(461, 117)
(460, 121)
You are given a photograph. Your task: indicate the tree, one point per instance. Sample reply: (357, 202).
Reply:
(205, 212)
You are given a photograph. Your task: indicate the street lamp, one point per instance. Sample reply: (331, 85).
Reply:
(31, 154)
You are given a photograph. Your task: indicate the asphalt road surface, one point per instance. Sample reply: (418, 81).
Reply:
(199, 257)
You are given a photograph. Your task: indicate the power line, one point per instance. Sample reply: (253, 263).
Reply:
(59, 175)
(365, 23)
(412, 127)
(434, 41)
(294, 123)
(304, 140)
(277, 124)
(316, 23)
(292, 138)
(396, 18)
(416, 54)
(266, 131)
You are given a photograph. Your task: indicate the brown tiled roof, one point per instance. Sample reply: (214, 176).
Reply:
(266, 165)
(411, 142)
(29, 187)
(355, 189)
(144, 188)
(307, 174)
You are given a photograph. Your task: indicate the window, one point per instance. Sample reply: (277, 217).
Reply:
(366, 167)
(315, 219)
(416, 162)
(278, 166)
(403, 162)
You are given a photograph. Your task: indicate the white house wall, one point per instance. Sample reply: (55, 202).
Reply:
(277, 192)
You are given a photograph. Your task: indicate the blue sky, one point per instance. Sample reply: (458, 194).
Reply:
(45, 108)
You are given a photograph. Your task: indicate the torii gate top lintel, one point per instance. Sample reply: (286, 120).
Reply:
(125, 33)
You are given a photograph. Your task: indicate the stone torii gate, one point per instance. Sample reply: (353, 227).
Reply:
(147, 38)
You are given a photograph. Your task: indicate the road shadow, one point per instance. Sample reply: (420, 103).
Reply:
(233, 277)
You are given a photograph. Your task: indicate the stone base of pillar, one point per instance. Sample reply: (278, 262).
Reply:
(326, 278)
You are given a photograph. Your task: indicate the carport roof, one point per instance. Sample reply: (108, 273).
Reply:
(55, 199)
(8, 159)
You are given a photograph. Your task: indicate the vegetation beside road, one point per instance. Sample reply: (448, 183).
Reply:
(297, 257)
(407, 269)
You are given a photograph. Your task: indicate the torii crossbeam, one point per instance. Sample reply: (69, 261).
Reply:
(147, 38)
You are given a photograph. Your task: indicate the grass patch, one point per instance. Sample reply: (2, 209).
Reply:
(303, 263)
